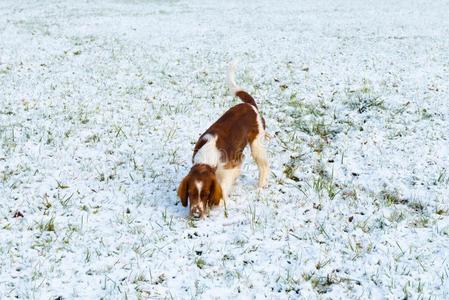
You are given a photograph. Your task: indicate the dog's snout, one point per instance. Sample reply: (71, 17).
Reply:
(196, 212)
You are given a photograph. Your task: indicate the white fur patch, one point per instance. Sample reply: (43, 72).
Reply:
(227, 178)
(233, 87)
(208, 154)
(259, 153)
(259, 123)
(199, 187)
(198, 208)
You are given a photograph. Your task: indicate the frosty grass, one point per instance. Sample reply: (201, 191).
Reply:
(101, 103)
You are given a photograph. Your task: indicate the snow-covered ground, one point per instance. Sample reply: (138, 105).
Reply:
(101, 103)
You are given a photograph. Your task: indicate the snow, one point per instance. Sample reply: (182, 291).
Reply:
(101, 104)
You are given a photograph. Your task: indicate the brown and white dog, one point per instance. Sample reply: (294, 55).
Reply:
(218, 154)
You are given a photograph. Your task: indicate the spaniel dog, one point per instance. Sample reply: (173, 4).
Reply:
(218, 153)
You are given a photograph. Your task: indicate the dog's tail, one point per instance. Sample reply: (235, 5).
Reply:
(236, 90)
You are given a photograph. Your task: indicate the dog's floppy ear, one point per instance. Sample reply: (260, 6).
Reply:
(216, 194)
(183, 190)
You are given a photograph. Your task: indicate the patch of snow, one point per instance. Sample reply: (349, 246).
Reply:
(100, 107)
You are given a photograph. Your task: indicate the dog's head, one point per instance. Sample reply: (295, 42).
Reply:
(201, 188)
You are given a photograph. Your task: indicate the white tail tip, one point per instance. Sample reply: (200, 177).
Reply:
(233, 87)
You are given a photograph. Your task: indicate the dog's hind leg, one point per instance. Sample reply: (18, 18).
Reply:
(259, 154)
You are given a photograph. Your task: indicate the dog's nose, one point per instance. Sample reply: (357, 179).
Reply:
(196, 212)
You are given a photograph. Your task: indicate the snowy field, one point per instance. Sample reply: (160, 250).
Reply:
(102, 102)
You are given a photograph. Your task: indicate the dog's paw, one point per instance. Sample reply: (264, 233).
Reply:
(263, 184)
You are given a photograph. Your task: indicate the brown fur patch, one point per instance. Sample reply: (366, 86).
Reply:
(247, 98)
(235, 129)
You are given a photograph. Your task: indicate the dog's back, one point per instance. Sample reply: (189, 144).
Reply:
(234, 130)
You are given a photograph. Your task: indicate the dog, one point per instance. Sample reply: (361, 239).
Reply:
(218, 153)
